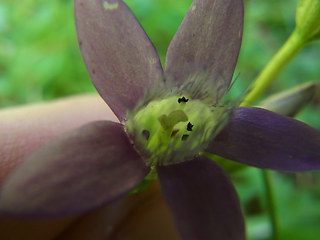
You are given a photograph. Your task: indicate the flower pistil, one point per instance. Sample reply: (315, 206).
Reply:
(174, 128)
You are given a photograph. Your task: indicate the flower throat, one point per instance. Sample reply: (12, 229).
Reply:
(175, 127)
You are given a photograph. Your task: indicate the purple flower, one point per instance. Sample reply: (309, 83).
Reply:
(169, 117)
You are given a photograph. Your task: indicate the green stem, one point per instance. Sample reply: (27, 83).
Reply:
(270, 203)
(291, 47)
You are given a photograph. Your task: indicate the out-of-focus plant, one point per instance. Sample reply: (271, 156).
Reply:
(307, 29)
(38, 52)
(292, 101)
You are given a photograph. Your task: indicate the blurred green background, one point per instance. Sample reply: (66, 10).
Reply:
(40, 60)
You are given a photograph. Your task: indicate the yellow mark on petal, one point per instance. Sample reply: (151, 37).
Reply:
(193, 7)
(110, 6)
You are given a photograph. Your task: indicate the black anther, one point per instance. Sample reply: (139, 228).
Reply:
(189, 126)
(146, 134)
(184, 137)
(183, 99)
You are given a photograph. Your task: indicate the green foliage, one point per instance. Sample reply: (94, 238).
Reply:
(39, 55)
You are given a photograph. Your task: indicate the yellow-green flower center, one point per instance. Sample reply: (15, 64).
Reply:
(174, 129)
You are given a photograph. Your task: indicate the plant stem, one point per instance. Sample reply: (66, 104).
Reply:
(291, 47)
(270, 203)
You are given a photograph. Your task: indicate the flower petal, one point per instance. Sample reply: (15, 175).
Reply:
(74, 173)
(119, 56)
(264, 139)
(202, 200)
(208, 39)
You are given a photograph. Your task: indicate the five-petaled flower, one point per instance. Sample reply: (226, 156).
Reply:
(168, 119)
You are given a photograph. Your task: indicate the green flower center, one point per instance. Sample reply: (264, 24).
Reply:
(174, 129)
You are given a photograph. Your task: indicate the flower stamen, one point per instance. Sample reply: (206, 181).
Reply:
(164, 129)
(182, 100)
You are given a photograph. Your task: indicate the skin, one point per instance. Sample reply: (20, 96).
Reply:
(25, 128)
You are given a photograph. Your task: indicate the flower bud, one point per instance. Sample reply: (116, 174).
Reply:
(308, 19)
(291, 101)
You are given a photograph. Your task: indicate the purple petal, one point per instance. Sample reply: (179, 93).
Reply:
(74, 173)
(264, 139)
(208, 39)
(202, 200)
(119, 56)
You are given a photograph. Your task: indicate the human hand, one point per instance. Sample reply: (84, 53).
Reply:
(24, 129)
